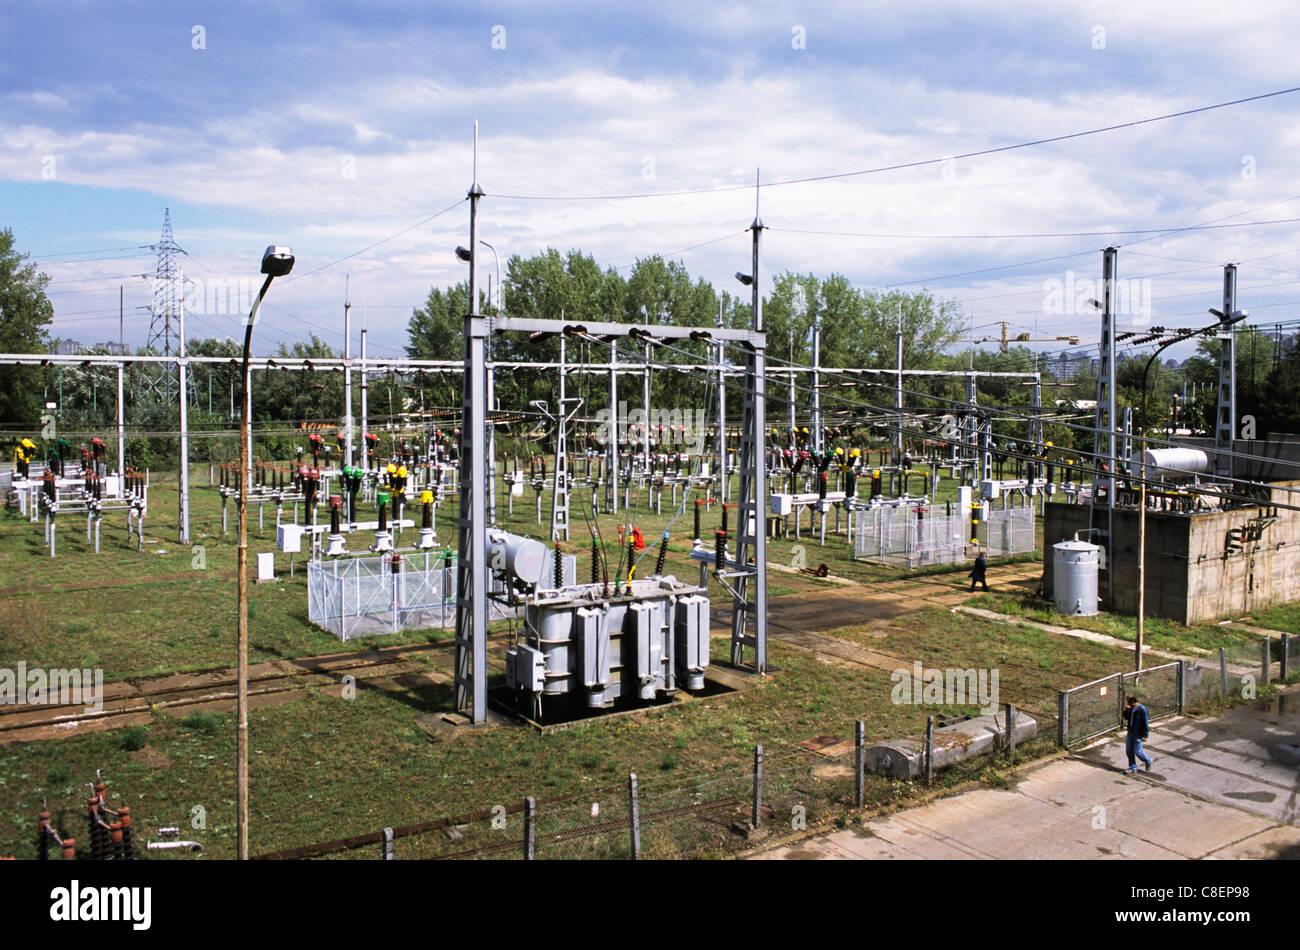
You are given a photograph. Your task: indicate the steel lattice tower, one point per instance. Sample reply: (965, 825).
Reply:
(165, 316)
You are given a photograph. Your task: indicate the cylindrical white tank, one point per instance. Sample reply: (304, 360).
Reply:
(1170, 463)
(1074, 577)
(524, 558)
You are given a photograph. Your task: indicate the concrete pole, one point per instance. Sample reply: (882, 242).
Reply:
(347, 373)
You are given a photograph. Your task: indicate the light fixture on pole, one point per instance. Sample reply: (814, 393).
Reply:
(276, 262)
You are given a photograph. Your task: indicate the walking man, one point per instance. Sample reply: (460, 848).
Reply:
(978, 574)
(1138, 722)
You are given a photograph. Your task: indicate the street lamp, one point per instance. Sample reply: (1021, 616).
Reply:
(276, 262)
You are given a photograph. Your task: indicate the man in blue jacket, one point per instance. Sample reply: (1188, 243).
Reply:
(1138, 722)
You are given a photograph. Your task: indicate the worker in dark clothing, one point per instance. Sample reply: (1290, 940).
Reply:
(978, 574)
(1138, 722)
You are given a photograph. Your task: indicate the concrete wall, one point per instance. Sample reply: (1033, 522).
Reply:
(1191, 576)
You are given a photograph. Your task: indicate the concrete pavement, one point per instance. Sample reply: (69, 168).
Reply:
(1219, 788)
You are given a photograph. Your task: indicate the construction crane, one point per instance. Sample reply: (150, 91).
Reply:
(1003, 340)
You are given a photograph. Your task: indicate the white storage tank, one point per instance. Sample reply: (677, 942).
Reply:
(1170, 463)
(1074, 577)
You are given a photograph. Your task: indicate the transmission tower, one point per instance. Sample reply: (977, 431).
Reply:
(165, 311)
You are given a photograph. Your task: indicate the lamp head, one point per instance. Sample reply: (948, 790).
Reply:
(277, 260)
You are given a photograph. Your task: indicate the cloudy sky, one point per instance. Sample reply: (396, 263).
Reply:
(344, 129)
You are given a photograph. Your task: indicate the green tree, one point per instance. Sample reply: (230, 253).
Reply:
(25, 312)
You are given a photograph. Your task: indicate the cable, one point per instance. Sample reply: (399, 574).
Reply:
(1057, 234)
(421, 222)
(913, 164)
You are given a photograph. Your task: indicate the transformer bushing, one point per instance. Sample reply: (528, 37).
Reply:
(427, 540)
(335, 546)
(383, 540)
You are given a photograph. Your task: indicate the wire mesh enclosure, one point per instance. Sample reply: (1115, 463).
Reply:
(913, 537)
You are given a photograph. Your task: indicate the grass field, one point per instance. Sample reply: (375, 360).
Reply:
(326, 767)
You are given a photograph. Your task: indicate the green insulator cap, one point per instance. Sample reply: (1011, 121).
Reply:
(382, 498)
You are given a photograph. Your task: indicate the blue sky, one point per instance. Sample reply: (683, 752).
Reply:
(331, 127)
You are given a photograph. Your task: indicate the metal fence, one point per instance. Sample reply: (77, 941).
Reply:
(913, 537)
(365, 596)
(1096, 708)
(716, 813)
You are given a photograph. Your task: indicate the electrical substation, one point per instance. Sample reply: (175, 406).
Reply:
(587, 574)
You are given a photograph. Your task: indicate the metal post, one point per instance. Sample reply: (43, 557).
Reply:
(1011, 730)
(183, 475)
(121, 428)
(615, 429)
(347, 372)
(859, 765)
(722, 426)
(898, 393)
(1286, 656)
(1223, 672)
(1142, 562)
(1062, 717)
(752, 502)
(365, 398)
(1265, 650)
(530, 828)
(635, 813)
(756, 817)
(929, 750)
(386, 851)
(816, 386)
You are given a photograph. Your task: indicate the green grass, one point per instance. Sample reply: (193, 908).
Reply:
(1158, 632)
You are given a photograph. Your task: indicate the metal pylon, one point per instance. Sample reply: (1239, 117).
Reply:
(1103, 438)
(1226, 418)
(752, 498)
(471, 559)
(165, 320)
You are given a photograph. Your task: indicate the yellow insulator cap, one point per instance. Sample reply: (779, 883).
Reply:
(401, 472)
(426, 497)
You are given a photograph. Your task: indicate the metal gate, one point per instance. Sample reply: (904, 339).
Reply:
(1096, 708)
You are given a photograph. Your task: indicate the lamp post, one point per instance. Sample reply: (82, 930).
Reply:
(276, 262)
